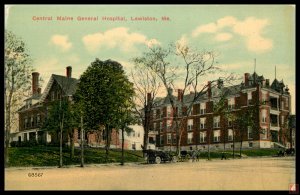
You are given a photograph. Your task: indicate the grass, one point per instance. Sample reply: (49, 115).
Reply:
(49, 156)
(245, 153)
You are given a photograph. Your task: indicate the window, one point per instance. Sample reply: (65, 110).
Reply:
(217, 135)
(190, 138)
(174, 139)
(133, 146)
(179, 111)
(231, 103)
(250, 144)
(52, 95)
(190, 125)
(202, 123)
(264, 116)
(264, 97)
(32, 121)
(79, 134)
(25, 122)
(249, 97)
(169, 108)
(133, 134)
(161, 140)
(230, 134)
(161, 126)
(282, 104)
(169, 138)
(154, 114)
(202, 136)
(38, 119)
(229, 122)
(169, 124)
(250, 136)
(191, 111)
(216, 121)
(264, 134)
(138, 134)
(202, 108)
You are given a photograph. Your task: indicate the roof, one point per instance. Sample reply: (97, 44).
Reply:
(68, 85)
(228, 91)
(277, 85)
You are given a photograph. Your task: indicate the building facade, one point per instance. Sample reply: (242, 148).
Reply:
(34, 112)
(204, 126)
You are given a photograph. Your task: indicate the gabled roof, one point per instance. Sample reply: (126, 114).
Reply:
(277, 85)
(68, 85)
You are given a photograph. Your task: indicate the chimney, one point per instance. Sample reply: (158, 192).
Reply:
(209, 89)
(180, 95)
(35, 82)
(267, 82)
(247, 75)
(39, 90)
(69, 71)
(148, 98)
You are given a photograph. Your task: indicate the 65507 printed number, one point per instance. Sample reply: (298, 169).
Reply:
(35, 174)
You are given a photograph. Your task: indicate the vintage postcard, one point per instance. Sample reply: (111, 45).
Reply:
(150, 97)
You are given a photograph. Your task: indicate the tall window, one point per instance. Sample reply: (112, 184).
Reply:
(154, 126)
(250, 133)
(174, 138)
(190, 138)
(216, 121)
(202, 108)
(169, 124)
(32, 120)
(161, 139)
(264, 134)
(282, 104)
(52, 95)
(202, 123)
(202, 136)
(230, 135)
(154, 114)
(231, 103)
(161, 126)
(25, 122)
(264, 96)
(249, 97)
(264, 116)
(217, 135)
(169, 108)
(38, 119)
(169, 138)
(229, 122)
(190, 125)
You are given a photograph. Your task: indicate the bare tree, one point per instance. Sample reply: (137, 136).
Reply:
(17, 74)
(147, 85)
(186, 67)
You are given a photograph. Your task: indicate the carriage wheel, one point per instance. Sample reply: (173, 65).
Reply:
(157, 160)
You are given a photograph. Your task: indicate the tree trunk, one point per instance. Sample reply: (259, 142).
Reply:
(7, 135)
(107, 143)
(122, 159)
(82, 143)
(72, 144)
(60, 148)
(233, 144)
(241, 148)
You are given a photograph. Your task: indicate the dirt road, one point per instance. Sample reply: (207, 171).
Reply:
(239, 174)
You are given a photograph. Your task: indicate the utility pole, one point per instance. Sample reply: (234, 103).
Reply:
(82, 141)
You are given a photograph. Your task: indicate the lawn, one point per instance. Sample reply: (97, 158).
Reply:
(49, 156)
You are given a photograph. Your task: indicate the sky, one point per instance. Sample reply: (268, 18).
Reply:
(238, 33)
